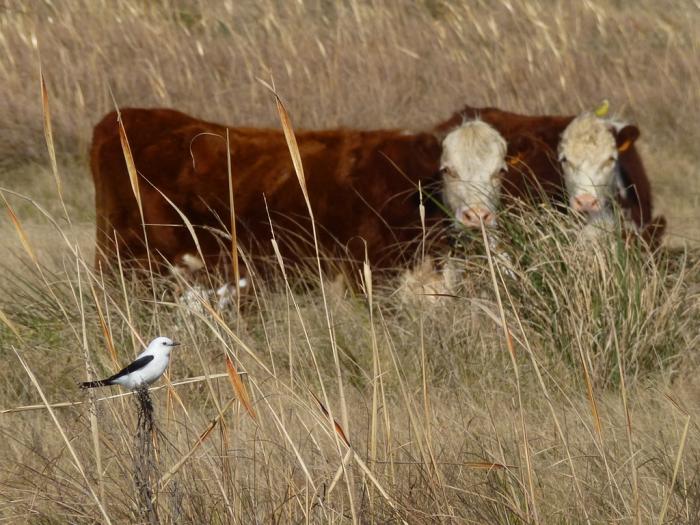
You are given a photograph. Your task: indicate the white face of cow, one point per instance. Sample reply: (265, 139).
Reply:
(473, 159)
(588, 152)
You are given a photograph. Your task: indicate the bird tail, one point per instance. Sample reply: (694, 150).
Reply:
(94, 384)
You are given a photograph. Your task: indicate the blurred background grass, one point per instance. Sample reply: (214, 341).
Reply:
(358, 64)
(427, 393)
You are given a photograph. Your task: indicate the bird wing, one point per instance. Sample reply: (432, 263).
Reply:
(138, 364)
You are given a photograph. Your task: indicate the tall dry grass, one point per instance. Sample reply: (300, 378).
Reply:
(449, 436)
(556, 385)
(364, 64)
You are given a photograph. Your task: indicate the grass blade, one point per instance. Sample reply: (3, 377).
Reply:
(239, 388)
(76, 461)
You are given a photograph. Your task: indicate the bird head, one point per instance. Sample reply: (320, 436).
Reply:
(162, 345)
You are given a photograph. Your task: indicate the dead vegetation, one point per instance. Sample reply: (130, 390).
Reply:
(556, 385)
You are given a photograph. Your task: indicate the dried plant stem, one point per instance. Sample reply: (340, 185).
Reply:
(145, 465)
(511, 351)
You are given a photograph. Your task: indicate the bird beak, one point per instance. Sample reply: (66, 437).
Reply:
(175, 343)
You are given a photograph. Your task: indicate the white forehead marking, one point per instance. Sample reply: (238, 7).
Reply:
(587, 138)
(474, 154)
(475, 145)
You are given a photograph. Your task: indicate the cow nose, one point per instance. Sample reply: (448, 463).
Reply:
(473, 216)
(585, 203)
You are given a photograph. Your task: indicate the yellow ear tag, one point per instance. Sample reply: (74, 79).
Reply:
(602, 110)
(624, 146)
(514, 161)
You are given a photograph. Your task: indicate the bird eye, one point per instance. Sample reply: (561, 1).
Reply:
(163, 343)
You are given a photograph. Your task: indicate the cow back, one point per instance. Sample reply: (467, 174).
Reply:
(362, 188)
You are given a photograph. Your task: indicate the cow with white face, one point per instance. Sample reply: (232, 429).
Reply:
(588, 151)
(472, 163)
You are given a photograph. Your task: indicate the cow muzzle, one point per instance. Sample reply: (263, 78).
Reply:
(473, 216)
(586, 203)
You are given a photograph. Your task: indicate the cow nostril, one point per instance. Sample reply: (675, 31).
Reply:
(586, 203)
(469, 217)
(473, 217)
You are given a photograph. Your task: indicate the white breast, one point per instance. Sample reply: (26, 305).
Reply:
(147, 375)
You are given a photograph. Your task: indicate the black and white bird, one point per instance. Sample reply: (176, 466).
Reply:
(148, 366)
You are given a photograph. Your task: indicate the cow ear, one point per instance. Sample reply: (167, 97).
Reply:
(626, 137)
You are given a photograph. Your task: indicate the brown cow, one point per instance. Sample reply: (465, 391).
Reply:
(362, 184)
(363, 188)
(543, 143)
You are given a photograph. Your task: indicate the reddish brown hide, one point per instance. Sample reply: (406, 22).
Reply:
(362, 186)
(532, 148)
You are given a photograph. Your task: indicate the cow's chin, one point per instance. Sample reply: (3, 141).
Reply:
(473, 226)
(601, 217)
(605, 215)
(597, 225)
(596, 232)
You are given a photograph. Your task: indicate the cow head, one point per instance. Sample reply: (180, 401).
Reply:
(588, 152)
(472, 163)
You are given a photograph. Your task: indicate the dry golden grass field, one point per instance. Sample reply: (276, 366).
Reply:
(564, 390)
